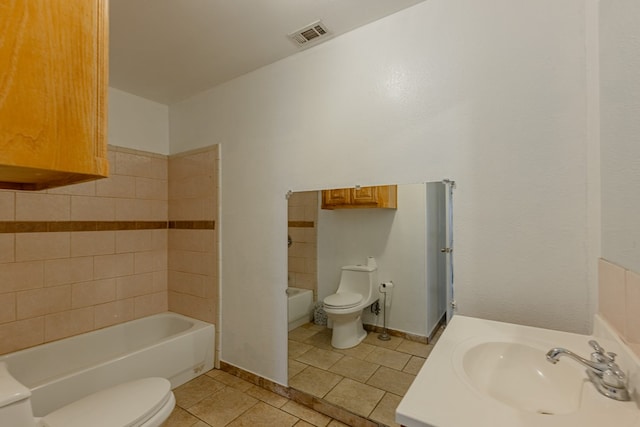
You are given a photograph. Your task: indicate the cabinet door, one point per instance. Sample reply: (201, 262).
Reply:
(53, 89)
(365, 196)
(336, 197)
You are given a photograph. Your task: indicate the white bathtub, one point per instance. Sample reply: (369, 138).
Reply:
(300, 306)
(166, 345)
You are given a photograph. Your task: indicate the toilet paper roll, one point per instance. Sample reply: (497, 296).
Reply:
(386, 288)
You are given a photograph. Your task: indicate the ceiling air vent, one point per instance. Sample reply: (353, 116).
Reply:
(311, 33)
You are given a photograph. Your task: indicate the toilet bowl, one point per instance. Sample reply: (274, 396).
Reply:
(147, 402)
(357, 290)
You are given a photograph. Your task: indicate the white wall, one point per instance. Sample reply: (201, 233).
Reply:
(492, 94)
(620, 131)
(396, 239)
(138, 123)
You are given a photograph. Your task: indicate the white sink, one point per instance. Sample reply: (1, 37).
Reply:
(483, 373)
(518, 375)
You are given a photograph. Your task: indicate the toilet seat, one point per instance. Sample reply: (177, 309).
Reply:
(131, 404)
(343, 300)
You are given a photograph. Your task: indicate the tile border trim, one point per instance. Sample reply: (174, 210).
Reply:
(301, 224)
(60, 226)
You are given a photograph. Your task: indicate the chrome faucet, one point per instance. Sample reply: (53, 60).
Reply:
(602, 370)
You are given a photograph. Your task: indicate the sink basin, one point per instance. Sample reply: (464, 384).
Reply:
(484, 373)
(518, 375)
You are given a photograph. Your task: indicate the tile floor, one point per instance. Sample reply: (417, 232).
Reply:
(369, 379)
(219, 399)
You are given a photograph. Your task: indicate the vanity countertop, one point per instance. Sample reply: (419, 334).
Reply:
(442, 394)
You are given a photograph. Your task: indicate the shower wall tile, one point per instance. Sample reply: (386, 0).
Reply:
(19, 276)
(192, 253)
(84, 243)
(88, 208)
(40, 206)
(7, 248)
(117, 186)
(7, 205)
(21, 334)
(7, 308)
(68, 270)
(68, 323)
(134, 286)
(68, 277)
(146, 305)
(38, 302)
(85, 256)
(42, 246)
(91, 293)
(113, 313)
(619, 301)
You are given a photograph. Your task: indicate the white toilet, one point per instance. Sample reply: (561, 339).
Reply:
(142, 403)
(358, 289)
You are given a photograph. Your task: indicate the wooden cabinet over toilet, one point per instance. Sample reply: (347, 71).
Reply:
(53, 92)
(384, 196)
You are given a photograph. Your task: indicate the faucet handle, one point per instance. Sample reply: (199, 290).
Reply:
(611, 357)
(594, 344)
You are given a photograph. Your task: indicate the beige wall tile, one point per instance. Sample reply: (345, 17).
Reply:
(160, 239)
(38, 302)
(192, 262)
(116, 186)
(82, 189)
(211, 288)
(42, 207)
(149, 261)
(199, 308)
(7, 247)
(154, 189)
(632, 306)
(192, 240)
(68, 270)
(159, 210)
(68, 323)
(92, 208)
(192, 187)
(134, 241)
(611, 291)
(133, 286)
(147, 305)
(161, 281)
(21, 334)
(187, 209)
(93, 293)
(85, 243)
(7, 307)
(7, 205)
(113, 313)
(140, 165)
(187, 283)
(36, 246)
(19, 276)
(106, 266)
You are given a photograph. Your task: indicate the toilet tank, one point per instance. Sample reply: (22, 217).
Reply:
(360, 279)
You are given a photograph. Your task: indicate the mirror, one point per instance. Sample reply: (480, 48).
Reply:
(406, 242)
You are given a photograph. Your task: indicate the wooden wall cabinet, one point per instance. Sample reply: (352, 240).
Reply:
(53, 92)
(385, 196)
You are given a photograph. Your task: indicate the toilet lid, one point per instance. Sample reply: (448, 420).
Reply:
(343, 300)
(127, 405)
